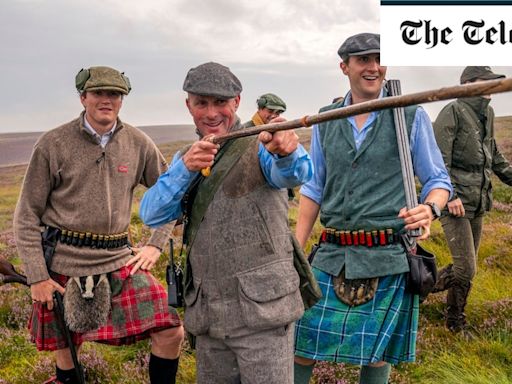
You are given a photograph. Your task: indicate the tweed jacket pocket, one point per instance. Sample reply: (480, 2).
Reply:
(196, 312)
(270, 295)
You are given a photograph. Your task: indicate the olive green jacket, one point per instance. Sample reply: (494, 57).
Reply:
(470, 153)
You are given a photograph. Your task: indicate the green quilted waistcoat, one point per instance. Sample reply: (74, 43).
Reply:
(363, 190)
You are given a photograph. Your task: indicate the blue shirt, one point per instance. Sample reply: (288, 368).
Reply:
(427, 159)
(162, 202)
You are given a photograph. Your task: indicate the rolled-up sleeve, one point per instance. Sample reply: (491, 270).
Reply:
(288, 171)
(314, 188)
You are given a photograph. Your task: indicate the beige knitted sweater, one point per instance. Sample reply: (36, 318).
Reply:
(73, 183)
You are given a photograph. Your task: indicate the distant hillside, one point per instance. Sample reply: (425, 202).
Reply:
(15, 148)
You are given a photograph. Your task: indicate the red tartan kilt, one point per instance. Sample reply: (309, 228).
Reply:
(139, 308)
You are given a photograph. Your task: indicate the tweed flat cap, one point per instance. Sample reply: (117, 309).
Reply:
(271, 101)
(212, 79)
(474, 73)
(360, 44)
(102, 79)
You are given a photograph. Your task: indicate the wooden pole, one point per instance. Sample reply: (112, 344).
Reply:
(466, 90)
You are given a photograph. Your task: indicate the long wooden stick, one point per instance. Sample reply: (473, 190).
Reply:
(466, 90)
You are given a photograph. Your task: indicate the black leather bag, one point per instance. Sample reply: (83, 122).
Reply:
(422, 276)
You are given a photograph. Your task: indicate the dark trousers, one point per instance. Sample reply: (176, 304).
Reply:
(463, 236)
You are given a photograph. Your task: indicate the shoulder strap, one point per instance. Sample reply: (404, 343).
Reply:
(227, 157)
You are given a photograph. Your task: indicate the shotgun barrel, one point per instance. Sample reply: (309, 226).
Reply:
(404, 151)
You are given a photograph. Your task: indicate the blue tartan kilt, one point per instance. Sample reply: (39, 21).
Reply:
(382, 329)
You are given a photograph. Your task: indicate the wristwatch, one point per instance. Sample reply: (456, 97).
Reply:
(436, 212)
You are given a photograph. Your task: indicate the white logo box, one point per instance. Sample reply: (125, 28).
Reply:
(446, 33)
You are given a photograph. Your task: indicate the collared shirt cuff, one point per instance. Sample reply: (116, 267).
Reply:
(311, 193)
(286, 161)
(183, 172)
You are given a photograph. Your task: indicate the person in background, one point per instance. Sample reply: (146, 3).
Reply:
(464, 131)
(270, 106)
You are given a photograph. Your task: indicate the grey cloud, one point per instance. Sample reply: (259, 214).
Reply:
(287, 47)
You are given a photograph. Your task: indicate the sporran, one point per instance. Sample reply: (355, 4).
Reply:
(87, 302)
(354, 292)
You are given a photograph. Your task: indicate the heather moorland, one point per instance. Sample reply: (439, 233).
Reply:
(442, 357)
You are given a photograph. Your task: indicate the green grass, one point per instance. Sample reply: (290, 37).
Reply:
(12, 178)
(442, 357)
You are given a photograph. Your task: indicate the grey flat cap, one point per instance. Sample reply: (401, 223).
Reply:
(474, 73)
(212, 79)
(360, 44)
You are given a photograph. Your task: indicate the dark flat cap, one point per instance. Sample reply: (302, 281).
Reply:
(473, 73)
(360, 44)
(212, 79)
(271, 101)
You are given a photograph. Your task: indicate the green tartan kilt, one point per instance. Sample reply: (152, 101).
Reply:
(382, 329)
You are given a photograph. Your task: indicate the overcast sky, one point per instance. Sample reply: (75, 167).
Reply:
(287, 47)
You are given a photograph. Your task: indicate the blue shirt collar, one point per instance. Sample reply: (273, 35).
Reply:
(371, 118)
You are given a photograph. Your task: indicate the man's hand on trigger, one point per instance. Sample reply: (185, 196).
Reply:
(280, 143)
(144, 258)
(200, 155)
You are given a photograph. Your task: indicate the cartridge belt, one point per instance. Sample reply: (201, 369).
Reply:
(373, 238)
(92, 240)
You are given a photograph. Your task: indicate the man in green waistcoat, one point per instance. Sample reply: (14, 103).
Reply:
(464, 130)
(358, 191)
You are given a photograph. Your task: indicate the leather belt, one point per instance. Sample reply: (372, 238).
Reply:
(92, 240)
(376, 237)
